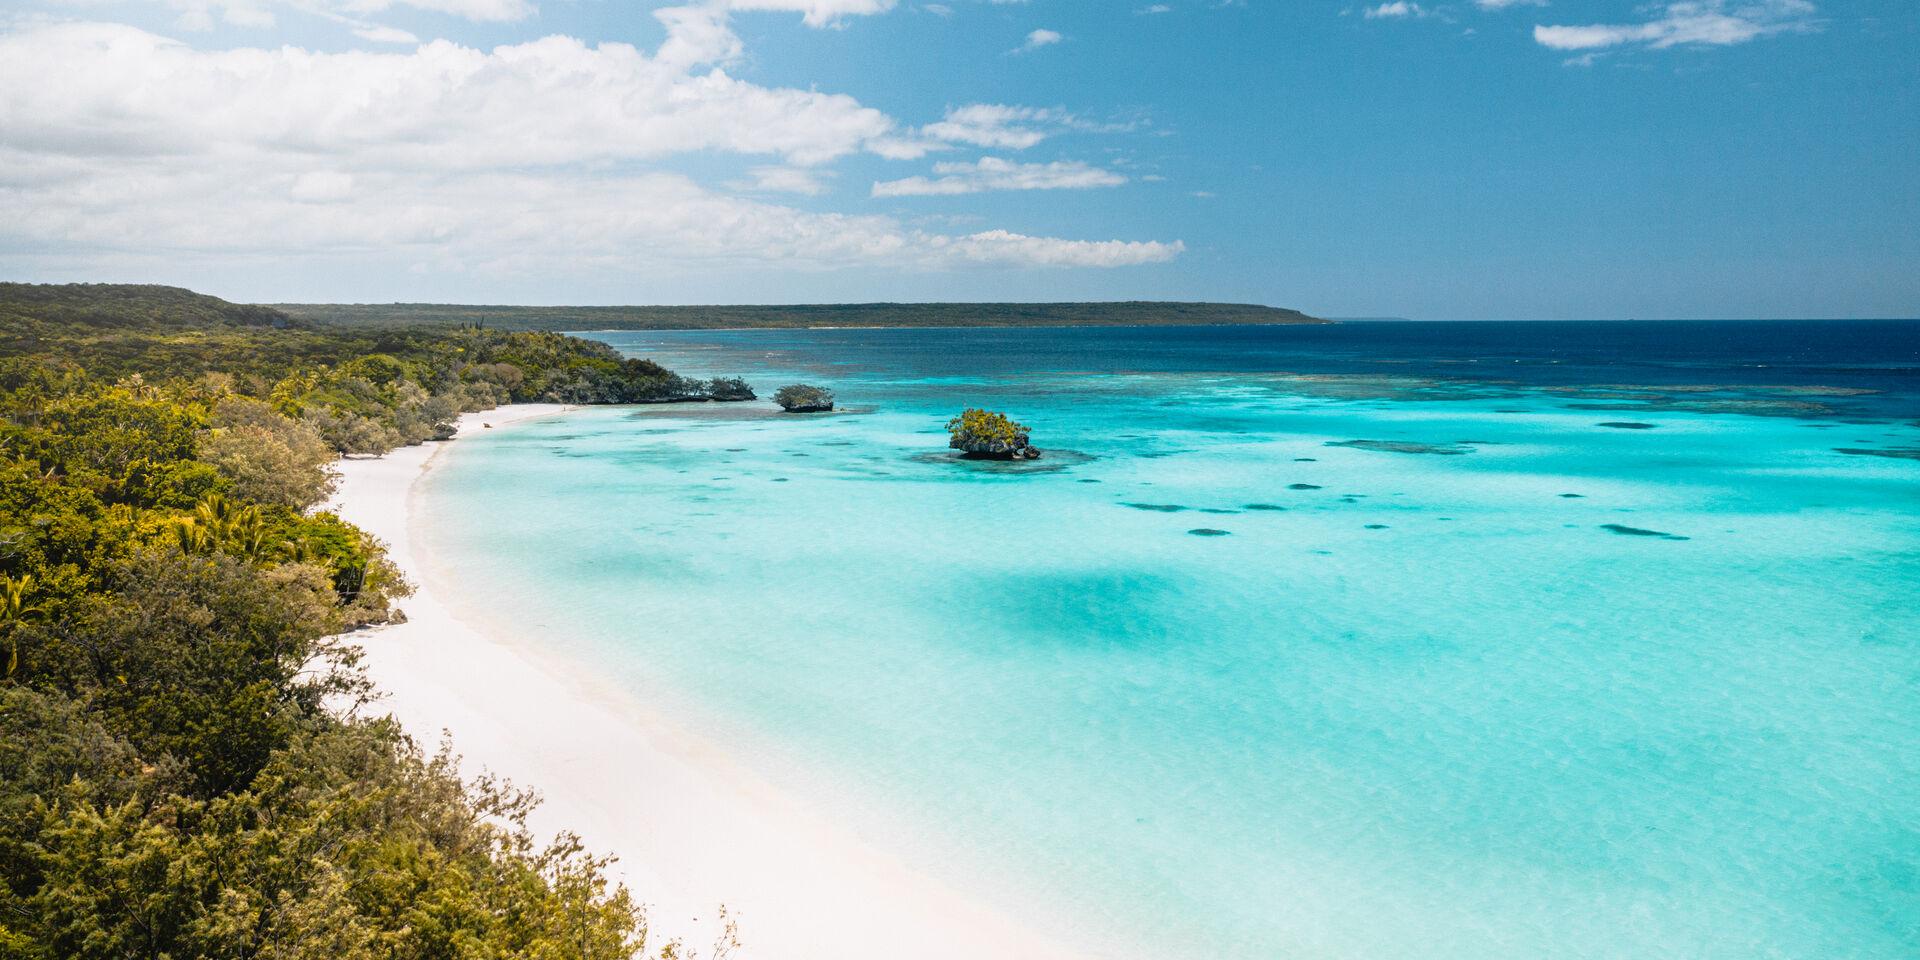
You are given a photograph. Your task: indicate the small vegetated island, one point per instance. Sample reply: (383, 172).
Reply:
(803, 398)
(985, 435)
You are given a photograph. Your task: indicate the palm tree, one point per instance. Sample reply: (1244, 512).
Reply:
(15, 610)
(218, 523)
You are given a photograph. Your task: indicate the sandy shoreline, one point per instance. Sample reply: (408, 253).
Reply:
(692, 829)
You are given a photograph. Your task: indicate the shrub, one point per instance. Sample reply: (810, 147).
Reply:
(983, 433)
(729, 388)
(802, 397)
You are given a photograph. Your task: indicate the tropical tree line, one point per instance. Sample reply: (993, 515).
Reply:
(188, 763)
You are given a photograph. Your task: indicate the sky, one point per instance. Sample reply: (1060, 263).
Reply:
(1472, 159)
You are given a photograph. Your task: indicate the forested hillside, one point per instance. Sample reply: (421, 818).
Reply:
(187, 764)
(1132, 313)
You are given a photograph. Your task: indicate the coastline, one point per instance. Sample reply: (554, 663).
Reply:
(692, 828)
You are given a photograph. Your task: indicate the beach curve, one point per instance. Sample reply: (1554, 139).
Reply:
(691, 828)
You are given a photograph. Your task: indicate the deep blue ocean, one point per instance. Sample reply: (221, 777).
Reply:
(1372, 640)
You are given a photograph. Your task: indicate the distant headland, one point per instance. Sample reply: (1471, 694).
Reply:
(1128, 313)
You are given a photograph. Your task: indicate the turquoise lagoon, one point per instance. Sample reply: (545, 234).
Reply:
(1500, 681)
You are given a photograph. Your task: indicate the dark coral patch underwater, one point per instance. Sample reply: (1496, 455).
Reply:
(1897, 453)
(1407, 446)
(1626, 531)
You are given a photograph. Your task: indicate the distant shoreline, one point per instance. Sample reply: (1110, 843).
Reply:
(1132, 313)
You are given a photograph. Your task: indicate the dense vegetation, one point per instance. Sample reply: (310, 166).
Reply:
(1133, 313)
(365, 390)
(187, 769)
(803, 398)
(984, 433)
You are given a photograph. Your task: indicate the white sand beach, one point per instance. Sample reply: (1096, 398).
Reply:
(692, 829)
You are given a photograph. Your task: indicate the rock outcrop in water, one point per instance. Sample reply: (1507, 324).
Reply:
(985, 435)
(803, 398)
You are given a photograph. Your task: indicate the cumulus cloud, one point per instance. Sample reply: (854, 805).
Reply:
(999, 246)
(993, 173)
(1688, 22)
(783, 180)
(120, 90)
(493, 223)
(992, 125)
(1001, 126)
(1504, 4)
(816, 13)
(527, 159)
(1037, 39)
(1397, 8)
(379, 34)
(202, 14)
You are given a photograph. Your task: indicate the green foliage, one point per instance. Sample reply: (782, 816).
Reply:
(984, 434)
(365, 390)
(802, 396)
(268, 457)
(184, 771)
(975, 426)
(728, 388)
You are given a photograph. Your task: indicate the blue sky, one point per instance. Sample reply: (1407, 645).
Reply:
(1467, 159)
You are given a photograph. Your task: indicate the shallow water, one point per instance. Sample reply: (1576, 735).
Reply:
(1298, 642)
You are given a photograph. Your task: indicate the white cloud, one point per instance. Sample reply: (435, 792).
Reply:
(992, 125)
(816, 13)
(784, 180)
(1153, 9)
(993, 173)
(321, 186)
(1702, 22)
(1003, 126)
(1504, 4)
(501, 224)
(525, 160)
(485, 10)
(117, 89)
(201, 14)
(379, 34)
(1397, 8)
(1037, 39)
(999, 246)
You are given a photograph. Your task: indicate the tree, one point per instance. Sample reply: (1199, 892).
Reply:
(729, 389)
(269, 457)
(16, 607)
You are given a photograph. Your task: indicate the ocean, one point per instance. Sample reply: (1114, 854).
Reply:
(1371, 640)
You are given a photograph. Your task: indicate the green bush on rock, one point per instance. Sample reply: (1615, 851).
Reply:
(803, 398)
(983, 434)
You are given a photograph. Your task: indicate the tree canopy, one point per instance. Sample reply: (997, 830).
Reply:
(186, 770)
